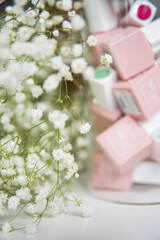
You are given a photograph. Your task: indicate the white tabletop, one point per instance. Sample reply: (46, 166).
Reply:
(110, 221)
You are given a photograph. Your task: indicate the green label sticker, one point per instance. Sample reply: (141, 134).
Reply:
(102, 73)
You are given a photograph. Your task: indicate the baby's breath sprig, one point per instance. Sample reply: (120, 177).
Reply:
(42, 67)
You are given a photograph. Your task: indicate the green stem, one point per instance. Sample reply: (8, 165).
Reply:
(66, 88)
(18, 213)
(28, 130)
(68, 97)
(60, 90)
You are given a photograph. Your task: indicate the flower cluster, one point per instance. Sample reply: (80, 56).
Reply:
(41, 70)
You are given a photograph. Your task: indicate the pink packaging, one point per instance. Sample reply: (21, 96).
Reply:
(131, 51)
(103, 119)
(140, 96)
(104, 175)
(101, 37)
(125, 143)
(102, 21)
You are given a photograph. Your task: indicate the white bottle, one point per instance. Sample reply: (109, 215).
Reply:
(101, 86)
(152, 127)
(141, 13)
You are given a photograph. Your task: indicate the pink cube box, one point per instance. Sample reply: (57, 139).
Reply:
(103, 119)
(140, 96)
(101, 37)
(125, 143)
(131, 51)
(101, 21)
(104, 175)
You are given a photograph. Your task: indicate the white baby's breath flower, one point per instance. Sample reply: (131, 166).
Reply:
(76, 175)
(36, 91)
(78, 22)
(65, 51)
(68, 160)
(57, 19)
(55, 33)
(68, 76)
(58, 119)
(66, 25)
(67, 147)
(24, 33)
(64, 71)
(9, 128)
(56, 62)
(30, 228)
(31, 208)
(34, 63)
(64, 5)
(78, 65)
(77, 50)
(7, 80)
(40, 3)
(50, 2)
(32, 160)
(84, 128)
(29, 82)
(24, 194)
(44, 14)
(13, 202)
(86, 211)
(71, 170)
(71, 13)
(92, 41)
(5, 119)
(20, 97)
(89, 73)
(29, 69)
(77, 5)
(22, 180)
(58, 154)
(6, 228)
(3, 197)
(51, 83)
(18, 161)
(36, 114)
(106, 59)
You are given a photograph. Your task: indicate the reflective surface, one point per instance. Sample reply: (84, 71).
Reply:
(139, 194)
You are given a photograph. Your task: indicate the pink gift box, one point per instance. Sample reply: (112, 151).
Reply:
(140, 96)
(101, 37)
(131, 51)
(104, 176)
(125, 143)
(103, 119)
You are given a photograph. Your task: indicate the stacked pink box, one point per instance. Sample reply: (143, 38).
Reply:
(127, 114)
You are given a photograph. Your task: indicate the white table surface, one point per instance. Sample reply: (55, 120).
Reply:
(110, 221)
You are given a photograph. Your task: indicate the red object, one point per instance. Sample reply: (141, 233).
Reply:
(143, 12)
